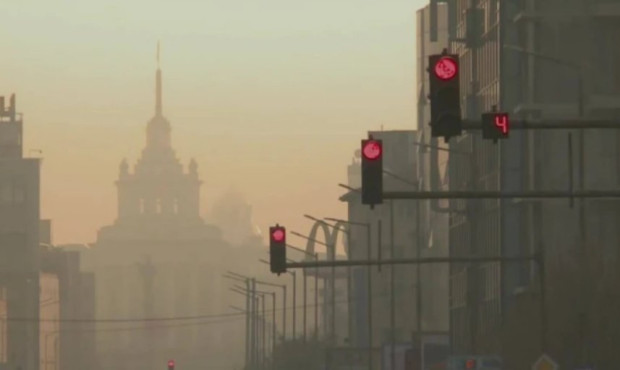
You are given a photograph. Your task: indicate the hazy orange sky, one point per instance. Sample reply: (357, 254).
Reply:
(270, 96)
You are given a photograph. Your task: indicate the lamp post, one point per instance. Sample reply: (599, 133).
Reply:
(239, 277)
(331, 249)
(249, 339)
(316, 294)
(284, 308)
(258, 341)
(273, 303)
(369, 272)
(316, 288)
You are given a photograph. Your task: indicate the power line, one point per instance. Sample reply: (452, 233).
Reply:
(178, 318)
(137, 328)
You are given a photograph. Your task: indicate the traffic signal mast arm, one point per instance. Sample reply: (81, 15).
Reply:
(412, 261)
(551, 124)
(533, 194)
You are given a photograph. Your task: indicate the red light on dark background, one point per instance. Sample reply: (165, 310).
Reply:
(278, 235)
(502, 123)
(372, 150)
(470, 364)
(446, 68)
(171, 363)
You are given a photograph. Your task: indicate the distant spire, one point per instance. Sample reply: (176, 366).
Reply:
(158, 109)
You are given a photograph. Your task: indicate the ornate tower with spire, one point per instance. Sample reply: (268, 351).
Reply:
(158, 219)
(158, 190)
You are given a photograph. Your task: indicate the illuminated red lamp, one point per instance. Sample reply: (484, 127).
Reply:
(446, 68)
(170, 364)
(372, 150)
(470, 364)
(278, 235)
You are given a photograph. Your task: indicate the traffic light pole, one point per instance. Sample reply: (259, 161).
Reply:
(412, 261)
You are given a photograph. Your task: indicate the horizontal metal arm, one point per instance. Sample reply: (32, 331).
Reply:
(535, 194)
(551, 124)
(410, 261)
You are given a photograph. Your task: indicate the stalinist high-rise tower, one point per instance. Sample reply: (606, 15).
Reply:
(158, 259)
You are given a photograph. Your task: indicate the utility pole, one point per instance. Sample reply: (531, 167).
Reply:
(305, 304)
(316, 298)
(392, 292)
(264, 332)
(254, 326)
(332, 252)
(273, 324)
(294, 274)
(370, 336)
(248, 342)
(418, 290)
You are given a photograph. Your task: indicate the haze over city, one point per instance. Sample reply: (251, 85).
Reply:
(269, 97)
(319, 185)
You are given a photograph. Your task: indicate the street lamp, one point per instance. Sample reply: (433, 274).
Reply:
(283, 286)
(249, 326)
(369, 272)
(239, 277)
(316, 288)
(273, 300)
(258, 325)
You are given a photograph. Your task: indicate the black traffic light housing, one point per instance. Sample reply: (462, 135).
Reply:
(445, 95)
(372, 171)
(495, 126)
(277, 249)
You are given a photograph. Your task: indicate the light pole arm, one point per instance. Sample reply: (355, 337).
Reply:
(309, 238)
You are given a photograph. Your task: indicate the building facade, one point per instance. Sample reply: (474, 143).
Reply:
(158, 259)
(521, 58)
(19, 240)
(69, 295)
(432, 162)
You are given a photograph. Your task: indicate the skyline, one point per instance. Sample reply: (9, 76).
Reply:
(248, 98)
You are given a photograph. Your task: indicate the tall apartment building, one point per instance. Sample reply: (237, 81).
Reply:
(398, 239)
(433, 156)
(517, 56)
(19, 240)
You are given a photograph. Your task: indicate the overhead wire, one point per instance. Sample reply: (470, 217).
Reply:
(172, 319)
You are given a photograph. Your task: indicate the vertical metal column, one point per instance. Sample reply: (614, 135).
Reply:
(392, 291)
(305, 309)
(316, 298)
(369, 298)
(248, 330)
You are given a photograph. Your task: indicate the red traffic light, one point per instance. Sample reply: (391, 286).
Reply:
(278, 235)
(171, 363)
(372, 150)
(446, 68)
(470, 364)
